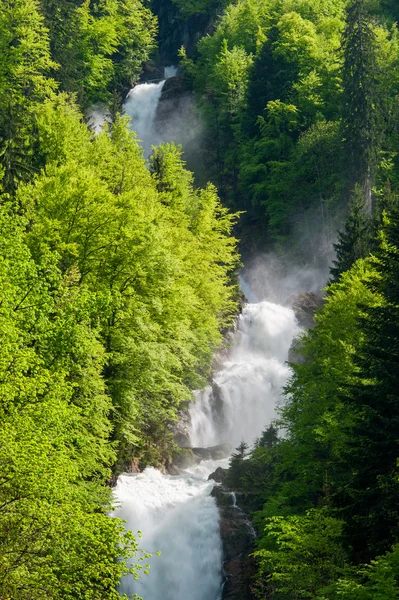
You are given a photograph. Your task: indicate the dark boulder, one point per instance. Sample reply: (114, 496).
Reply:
(305, 306)
(214, 452)
(223, 496)
(219, 475)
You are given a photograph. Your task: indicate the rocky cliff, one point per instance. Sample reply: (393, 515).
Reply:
(175, 32)
(238, 538)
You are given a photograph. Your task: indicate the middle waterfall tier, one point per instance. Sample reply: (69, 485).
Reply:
(242, 399)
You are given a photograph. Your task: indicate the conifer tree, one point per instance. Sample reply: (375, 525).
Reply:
(361, 110)
(236, 469)
(355, 240)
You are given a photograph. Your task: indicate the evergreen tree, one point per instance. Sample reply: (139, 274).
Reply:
(355, 240)
(236, 465)
(361, 104)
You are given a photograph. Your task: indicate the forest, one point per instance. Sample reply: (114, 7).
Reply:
(301, 97)
(119, 280)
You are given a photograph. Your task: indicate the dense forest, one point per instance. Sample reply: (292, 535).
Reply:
(300, 99)
(119, 278)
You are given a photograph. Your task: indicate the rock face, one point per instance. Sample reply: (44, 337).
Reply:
(175, 32)
(181, 429)
(187, 457)
(214, 452)
(238, 538)
(175, 103)
(219, 475)
(304, 307)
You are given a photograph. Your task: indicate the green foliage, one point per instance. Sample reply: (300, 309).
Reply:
(100, 47)
(361, 105)
(116, 284)
(334, 65)
(355, 241)
(188, 8)
(158, 256)
(54, 451)
(377, 581)
(300, 555)
(24, 83)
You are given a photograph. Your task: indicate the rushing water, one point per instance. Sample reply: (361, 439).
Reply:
(246, 390)
(177, 517)
(176, 514)
(141, 105)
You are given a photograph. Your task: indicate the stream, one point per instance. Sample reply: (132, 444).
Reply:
(176, 514)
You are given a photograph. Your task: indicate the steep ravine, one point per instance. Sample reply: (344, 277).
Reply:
(203, 536)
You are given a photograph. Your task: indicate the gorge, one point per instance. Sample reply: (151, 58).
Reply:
(176, 513)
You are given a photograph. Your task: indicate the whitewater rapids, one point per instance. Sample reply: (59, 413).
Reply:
(176, 514)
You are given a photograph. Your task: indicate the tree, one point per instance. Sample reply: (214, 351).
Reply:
(25, 62)
(355, 241)
(369, 502)
(299, 555)
(56, 538)
(361, 113)
(236, 465)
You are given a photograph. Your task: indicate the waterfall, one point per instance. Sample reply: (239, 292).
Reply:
(176, 514)
(247, 389)
(141, 106)
(179, 518)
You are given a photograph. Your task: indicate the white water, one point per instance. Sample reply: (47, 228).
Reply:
(178, 517)
(247, 389)
(141, 106)
(176, 514)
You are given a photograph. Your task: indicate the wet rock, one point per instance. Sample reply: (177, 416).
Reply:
(219, 475)
(183, 459)
(214, 452)
(175, 100)
(181, 429)
(223, 496)
(304, 307)
(238, 537)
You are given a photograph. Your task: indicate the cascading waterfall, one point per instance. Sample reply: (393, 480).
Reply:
(176, 514)
(246, 390)
(141, 105)
(177, 517)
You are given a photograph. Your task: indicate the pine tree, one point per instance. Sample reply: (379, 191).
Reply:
(236, 465)
(361, 109)
(355, 240)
